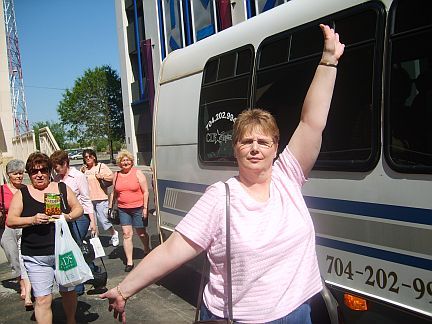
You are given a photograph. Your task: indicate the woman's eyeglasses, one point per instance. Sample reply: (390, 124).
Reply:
(44, 170)
(262, 143)
(88, 156)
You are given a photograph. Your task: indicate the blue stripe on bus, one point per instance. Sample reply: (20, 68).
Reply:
(391, 212)
(416, 215)
(376, 253)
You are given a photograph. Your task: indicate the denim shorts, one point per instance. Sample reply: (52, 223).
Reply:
(300, 315)
(41, 269)
(132, 216)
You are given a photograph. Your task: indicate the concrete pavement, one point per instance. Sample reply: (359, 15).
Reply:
(159, 303)
(169, 301)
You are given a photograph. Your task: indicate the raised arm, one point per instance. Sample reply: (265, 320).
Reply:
(305, 143)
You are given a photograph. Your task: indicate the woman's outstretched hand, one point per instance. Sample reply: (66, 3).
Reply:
(333, 48)
(115, 303)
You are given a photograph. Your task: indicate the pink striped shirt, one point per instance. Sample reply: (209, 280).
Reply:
(274, 263)
(77, 181)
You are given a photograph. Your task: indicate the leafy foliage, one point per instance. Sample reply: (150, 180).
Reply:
(92, 110)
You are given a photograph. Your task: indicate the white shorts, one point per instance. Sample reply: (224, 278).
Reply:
(41, 269)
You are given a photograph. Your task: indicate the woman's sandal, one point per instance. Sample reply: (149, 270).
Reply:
(28, 304)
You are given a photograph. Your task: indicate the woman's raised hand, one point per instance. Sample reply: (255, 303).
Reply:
(333, 48)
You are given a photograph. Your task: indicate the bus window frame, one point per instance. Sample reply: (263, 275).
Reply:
(376, 95)
(201, 126)
(392, 35)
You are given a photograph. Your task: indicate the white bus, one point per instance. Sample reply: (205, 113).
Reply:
(370, 193)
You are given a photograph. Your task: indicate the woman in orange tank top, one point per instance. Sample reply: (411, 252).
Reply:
(131, 191)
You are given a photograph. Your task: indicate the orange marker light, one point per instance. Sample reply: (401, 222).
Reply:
(355, 303)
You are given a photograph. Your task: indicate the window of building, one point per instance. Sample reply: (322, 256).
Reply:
(225, 92)
(264, 5)
(286, 65)
(135, 37)
(203, 12)
(408, 110)
(173, 22)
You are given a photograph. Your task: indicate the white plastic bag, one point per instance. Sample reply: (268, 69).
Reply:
(97, 247)
(71, 268)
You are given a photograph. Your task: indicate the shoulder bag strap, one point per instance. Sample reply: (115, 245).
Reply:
(66, 209)
(63, 197)
(228, 252)
(206, 265)
(114, 191)
(3, 206)
(2, 197)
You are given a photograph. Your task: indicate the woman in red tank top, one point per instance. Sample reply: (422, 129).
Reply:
(131, 192)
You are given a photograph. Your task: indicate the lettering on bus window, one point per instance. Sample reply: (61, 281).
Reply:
(222, 99)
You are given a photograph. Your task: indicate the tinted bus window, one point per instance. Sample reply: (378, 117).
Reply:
(350, 140)
(220, 103)
(408, 140)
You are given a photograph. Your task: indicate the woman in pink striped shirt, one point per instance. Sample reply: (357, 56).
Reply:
(274, 265)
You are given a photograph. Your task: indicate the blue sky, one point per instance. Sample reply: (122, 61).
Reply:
(59, 40)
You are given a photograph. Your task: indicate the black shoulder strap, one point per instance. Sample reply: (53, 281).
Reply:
(3, 206)
(63, 197)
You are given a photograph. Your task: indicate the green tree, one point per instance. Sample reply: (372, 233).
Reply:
(56, 129)
(92, 110)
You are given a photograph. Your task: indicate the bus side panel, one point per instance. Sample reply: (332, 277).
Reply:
(181, 181)
(177, 111)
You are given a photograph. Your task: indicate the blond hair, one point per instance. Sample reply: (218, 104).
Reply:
(122, 154)
(258, 119)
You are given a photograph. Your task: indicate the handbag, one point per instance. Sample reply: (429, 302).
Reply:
(97, 247)
(113, 215)
(105, 184)
(206, 268)
(100, 278)
(71, 268)
(3, 209)
(86, 248)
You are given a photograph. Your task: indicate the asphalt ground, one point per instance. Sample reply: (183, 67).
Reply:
(168, 301)
(171, 300)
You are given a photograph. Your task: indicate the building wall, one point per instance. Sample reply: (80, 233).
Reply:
(165, 25)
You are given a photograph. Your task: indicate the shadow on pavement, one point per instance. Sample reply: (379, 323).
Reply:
(83, 312)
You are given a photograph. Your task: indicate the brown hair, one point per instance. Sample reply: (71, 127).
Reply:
(255, 119)
(59, 157)
(38, 158)
(90, 152)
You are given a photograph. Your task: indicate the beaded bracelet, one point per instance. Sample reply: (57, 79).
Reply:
(120, 293)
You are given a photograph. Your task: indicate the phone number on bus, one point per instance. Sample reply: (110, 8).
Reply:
(397, 283)
(379, 278)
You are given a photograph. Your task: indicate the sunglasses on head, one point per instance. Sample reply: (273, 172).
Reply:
(44, 170)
